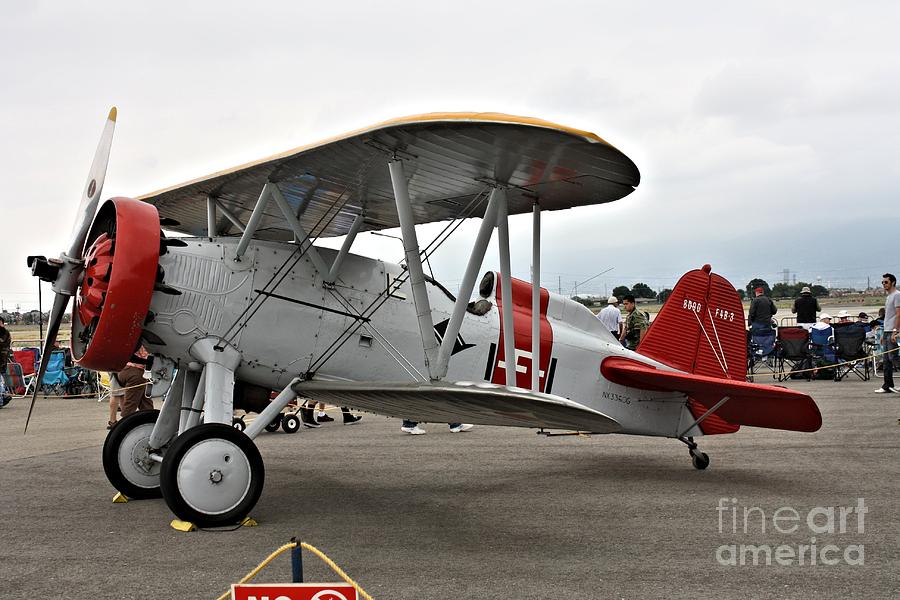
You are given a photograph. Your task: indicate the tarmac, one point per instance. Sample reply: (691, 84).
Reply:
(491, 513)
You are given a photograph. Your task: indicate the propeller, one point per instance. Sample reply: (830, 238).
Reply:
(65, 272)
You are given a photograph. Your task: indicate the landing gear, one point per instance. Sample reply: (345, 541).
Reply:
(126, 456)
(699, 459)
(212, 475)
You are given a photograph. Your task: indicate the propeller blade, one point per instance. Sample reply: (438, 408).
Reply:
(56, 315)
(93, 188)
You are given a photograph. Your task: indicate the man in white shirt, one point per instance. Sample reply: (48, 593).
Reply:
(611, 317)
(889, 337)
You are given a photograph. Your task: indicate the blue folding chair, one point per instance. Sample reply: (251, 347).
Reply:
(55, 378)
(821, 341)
(761, 352)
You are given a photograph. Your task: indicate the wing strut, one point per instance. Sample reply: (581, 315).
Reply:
(345, 248)
(253, 223)
(302, 236)
(230, 215)
(211, 230)
(468, 284)
(536, 298)
(414, 264)
(509, 340)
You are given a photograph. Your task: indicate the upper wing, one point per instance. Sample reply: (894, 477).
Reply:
(449, 158)
(748, 403)
(479, 403)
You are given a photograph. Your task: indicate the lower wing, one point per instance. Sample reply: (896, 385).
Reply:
(478, 403)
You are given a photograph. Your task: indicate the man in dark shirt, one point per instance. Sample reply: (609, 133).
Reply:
(762, 309)
(5, 345)
(806, 308)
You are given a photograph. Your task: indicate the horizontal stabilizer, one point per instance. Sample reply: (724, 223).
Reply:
(748, 403)
(461, 402)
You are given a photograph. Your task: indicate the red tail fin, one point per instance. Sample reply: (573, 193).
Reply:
(700, 329)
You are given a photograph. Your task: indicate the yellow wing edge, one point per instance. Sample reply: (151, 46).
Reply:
(461, 117)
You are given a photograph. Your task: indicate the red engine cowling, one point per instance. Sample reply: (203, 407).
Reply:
(121, 264)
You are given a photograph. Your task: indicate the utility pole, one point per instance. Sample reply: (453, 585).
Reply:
(40, 312)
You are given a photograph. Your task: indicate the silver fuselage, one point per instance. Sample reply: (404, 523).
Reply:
(299, 322)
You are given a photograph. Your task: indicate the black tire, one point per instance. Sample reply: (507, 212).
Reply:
(112, 465)
(189, 448)
(701, 460)
(275, 424)
(290, 423)
(238, 423)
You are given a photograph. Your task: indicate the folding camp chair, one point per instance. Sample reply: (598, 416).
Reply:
(761, 352)
(14, 379)
(792, 353)
(82, 382)
(822, 350)
(55, 377)
(850, 344)
(26, 359)
(103, 386)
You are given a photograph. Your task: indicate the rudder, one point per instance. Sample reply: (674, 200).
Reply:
(700, 329)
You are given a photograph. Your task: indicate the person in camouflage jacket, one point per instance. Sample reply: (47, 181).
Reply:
(635, 324)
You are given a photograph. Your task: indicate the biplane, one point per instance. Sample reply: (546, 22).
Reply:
(246, 303)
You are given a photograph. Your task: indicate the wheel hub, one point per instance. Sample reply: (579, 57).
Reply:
(214, 476)
(134, 457)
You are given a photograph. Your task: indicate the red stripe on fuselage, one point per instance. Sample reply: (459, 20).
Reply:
(521, 300)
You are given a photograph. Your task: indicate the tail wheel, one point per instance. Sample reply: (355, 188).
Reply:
(120, 273)
(212, 475)
(126, 456)
(699, 459)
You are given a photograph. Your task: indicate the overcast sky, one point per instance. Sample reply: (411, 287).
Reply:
(766, 133)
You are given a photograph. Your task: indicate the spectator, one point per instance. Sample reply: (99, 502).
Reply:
(135, 396)
(115, 397)
(889, 336)
(635, 324)
(611, 317)
(862, 321)
(5, 345)
(820, 337)
(308, 415)
(806, 308)
(412, 427)
(762, 309)
(824, 322)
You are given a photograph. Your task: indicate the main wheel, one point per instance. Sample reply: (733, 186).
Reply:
(290, 423)
(126, 456)
(212, 475)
